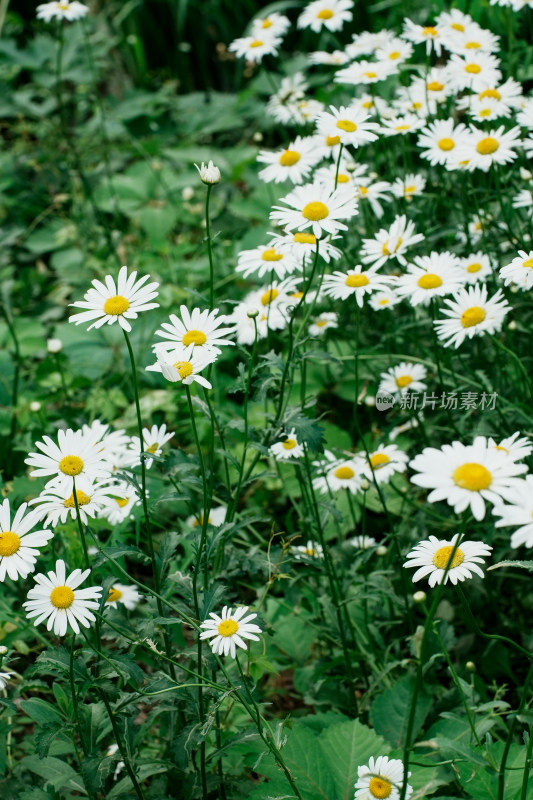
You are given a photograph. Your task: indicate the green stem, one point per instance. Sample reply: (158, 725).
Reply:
(123, 749)
(527, 767)
(490, 636)
(505, 754)
(209, 249)
(15, 388)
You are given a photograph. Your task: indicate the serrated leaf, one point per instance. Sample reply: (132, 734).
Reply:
(522, 564)
(44, 737)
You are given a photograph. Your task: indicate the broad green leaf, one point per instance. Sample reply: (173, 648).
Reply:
(389, 712)
(54, 771)
(41, 711)
(346, 746)
(522, 564)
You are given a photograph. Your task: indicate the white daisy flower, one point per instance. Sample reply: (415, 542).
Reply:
(466, 475)
(276, 24)
(410, 186)
(383, 463)
(326, 320)
(57, 599)
(342, 285)
(75, 457)
(338, 474)
(276, 257)
(515, 447)
(520, 271)
(255, 47)
(485, 148)
(197, 331)
(183, 365)
(317, 207)
(524, 199)
(439, 140)
(309, 550)
(154, 438)
(423, 34)
(373, 192)
(18, 547)
(54, 505)
(349, 123)
(209, 174)
(217, 517)
(122, 500)
(518, 513)
(382, 300)
(362, 542)
(394, 49)
(365, 72)
(128, 595)
(471, 313)
(401, 125)
(433, 556)
(474, 71)
(335, 59)
(475, 267)
(293, 163)
(229, 630)
(383, 777)
(111, 302)
(288, 448)
(70, 11)
(391, 243)
(330, 14)
(435, 85)
(430, 276)
(486, 109)
(259, 312)
(302, 246)
(403, 378)
(4, 677)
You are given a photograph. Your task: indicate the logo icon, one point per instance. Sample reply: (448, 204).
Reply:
(384, 401)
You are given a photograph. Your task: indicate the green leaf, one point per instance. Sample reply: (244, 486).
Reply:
(389, 712)
(346, 746)
(54, 771)
(522, 564)
(40, 711)
(45, 736)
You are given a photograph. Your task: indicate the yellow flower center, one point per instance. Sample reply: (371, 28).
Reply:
(82, 498)
(394, 55)
(321, 322)
(289, 157)
(271, 255)
(346, 125)
(385, 249)
(9, 543)
(121, 501)
(429, 30)
(315, 210)
(71, 465)
(256, 43)
(446, 143)
(368, 104)
(114, 595)
(325, 13)
(354, 281)
(485, 112)
(403, 380)
(472, 45)
(429, 281)
(344, 473)
(458, 27)
(402, 127)
(528, 263)
(379, 787)
(370, 74)
(304, 238)
(379, 460)
(62, 597)
(342, 178)
(384, 302)
(63, 6)
(309, 551)
(474, 267)
(409, 189)
(183, 368)
(331, 141)
(269, 296)
(114, 306)
(441, 559)
(194, 337)
(472, 476)
(153, 448)
(473, 69)
(472, 316)
(266, 23)
(289, 444)
(435, 86)
(228, 627)
(490, 93)
(363, 190)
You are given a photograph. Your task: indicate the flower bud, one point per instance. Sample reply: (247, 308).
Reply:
(381, 550)
(364, 485)
(471, 667)
(54, 345)
(420, 597)
(3, 650)
(253, 313)
(35, 405)
(187, 193)
(209, 174)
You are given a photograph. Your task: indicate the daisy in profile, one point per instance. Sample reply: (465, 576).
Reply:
(460, 558)
(128, 595)
(439, 139)
(391, 243)
(335, 59)
(317, 207)
(54, 506)
(255, 47)
(349, 123)
(383, 777)
(423, 34)
(62, 9)
(475, 267)
(338, 474)
(518, 512)
(470, 313)
(154, 439)
(466, 475)
(325, 321)
(485, 148)
(410, 186)
(520, 271)
(362, 542)
(217, 517)
(180, 365)
(365, 72)
(401, 125)
(230, 629)
(383, 463)
(57, 599)
(74, 457)
(342, 285)
(516, 447)
(276, 24)
(382, 300)
(373, 192)
(403, 378)
(197, 331)
(430, 276)
(18, 547)
(330, 14)
(111, 302)
(293, 163)
(288, 448)
(309, 550)
(122, 500)
(276, 258)
(302, 246)
(4, 677)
